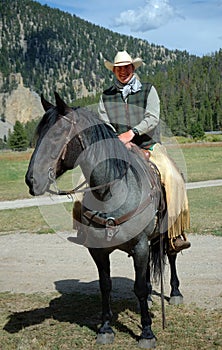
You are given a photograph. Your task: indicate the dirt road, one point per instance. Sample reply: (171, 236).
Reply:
(45, 263)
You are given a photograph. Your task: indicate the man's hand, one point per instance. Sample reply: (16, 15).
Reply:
(129, 145)
(126, 136)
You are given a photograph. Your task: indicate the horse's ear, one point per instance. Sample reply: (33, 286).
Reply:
(45, 104)
(63, 108)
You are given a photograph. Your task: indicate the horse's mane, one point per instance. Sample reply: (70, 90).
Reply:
(118, 158)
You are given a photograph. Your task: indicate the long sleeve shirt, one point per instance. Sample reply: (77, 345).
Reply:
(151, 113)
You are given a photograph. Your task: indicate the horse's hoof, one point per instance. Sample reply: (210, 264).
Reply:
(176, 300)
(105, 338)
(147, 343)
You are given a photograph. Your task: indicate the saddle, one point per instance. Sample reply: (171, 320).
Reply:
(156, 187)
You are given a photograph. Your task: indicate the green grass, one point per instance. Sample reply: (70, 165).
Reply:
(69, 321)
(24, 220)
(13, 167)
(198, 162)
(12, 173)
(27, 220)
(201, 162)
(205, 210)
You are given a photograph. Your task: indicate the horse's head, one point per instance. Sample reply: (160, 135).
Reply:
(56, 130)
(67, 137)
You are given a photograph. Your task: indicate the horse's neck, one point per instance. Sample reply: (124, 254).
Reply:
(115, 195)
(101, 177)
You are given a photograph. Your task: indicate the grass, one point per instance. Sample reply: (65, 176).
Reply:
(12, 176)
(69, 321)
(201, 162)
(205, 210)
(12, 173)
(24, 219)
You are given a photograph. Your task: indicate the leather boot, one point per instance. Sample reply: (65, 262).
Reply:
(179, 244)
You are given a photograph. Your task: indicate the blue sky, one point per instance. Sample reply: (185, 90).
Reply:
(192, 25)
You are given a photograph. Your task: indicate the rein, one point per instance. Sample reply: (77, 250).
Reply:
(77, 189)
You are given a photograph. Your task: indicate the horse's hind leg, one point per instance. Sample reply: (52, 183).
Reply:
(101, 257)
(149, 285)
(176, 297)
(149, 288)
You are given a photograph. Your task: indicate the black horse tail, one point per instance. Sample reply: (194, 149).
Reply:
(158, 253)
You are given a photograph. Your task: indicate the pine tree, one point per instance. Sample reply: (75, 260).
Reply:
(197, 131)
(18, 139)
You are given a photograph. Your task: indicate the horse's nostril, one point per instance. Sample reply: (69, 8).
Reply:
(29, 181)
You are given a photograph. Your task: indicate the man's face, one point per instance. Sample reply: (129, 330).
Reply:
(124, 73)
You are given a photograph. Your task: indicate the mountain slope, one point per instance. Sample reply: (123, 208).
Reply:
(45, 50)
(54, 50)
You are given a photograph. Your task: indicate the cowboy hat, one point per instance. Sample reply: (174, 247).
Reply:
(122, 58)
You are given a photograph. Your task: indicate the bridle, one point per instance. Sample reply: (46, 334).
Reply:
(62, 154)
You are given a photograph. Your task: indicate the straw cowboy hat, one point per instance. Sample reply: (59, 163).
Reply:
(122, 58)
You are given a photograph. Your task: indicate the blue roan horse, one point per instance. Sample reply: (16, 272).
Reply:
(121, 206)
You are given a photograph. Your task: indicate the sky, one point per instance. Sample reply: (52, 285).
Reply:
(191, 25)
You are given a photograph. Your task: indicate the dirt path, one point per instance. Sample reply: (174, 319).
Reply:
(45, 263)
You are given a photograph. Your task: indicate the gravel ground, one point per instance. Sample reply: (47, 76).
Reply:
(32, 263)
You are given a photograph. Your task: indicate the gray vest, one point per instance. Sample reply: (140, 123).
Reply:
(124, 116)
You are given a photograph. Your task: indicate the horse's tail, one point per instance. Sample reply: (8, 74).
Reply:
(158, 256)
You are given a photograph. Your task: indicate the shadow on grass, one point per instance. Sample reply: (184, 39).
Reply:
(80, 304)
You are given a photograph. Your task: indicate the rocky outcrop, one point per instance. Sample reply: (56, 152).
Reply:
(20, 104)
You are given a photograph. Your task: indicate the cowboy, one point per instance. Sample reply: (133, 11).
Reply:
(132, 109)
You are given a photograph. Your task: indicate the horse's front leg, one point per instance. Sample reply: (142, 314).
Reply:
(176, 297)
(141, 258)
(101, 257)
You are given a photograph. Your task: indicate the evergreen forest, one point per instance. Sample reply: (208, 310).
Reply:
(57, 51)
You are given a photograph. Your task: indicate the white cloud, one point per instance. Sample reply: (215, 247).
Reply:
(192, 25)
(153, 15)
